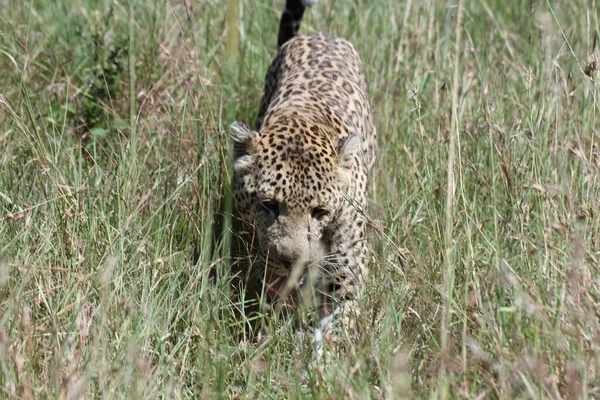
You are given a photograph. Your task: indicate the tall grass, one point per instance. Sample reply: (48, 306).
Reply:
(114, 169)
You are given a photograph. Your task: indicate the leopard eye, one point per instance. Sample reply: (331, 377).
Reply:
(270, 207)
(319, 213)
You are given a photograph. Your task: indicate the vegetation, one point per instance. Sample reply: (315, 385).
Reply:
(114, 163)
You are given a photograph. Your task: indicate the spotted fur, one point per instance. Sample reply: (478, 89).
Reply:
(300, 176)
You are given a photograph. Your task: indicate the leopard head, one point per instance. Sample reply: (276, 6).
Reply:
(290, 182)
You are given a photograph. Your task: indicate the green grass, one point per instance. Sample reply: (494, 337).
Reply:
(114, 164)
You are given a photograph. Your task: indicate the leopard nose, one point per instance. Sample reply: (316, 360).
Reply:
(289, 251)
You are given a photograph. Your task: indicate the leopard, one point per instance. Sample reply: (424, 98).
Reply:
(301, 175)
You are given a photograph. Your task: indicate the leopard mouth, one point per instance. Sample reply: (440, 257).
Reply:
(279, 286)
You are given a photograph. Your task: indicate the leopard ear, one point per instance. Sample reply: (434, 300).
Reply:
(241, 136)
(346, 149)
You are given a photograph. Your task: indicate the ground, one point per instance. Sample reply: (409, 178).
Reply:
(114, 165)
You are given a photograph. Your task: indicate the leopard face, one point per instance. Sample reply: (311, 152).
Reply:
(290, 183)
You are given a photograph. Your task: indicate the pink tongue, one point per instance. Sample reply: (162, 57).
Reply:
(275, 286)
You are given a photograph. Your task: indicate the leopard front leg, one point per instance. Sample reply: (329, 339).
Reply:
(343, 277)
(345, 269)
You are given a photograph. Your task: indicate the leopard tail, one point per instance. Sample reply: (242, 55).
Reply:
(291, 18)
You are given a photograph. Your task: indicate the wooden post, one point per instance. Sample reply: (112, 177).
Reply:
(232, 41)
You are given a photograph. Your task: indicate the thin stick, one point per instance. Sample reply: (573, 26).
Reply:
(448, 284)
(132, 96)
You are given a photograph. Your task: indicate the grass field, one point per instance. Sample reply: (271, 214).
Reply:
(114, 164)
